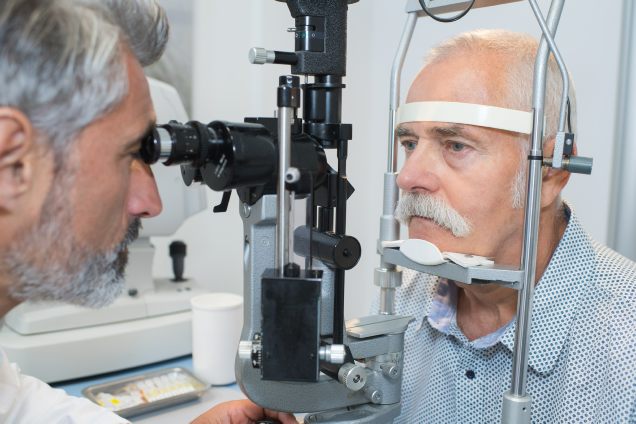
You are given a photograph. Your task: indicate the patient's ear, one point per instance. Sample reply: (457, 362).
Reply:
(16, 156)
(554, 180)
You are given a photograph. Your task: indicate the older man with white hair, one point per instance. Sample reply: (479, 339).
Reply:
(463, 188)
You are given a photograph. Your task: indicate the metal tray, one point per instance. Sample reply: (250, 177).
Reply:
(126, 397)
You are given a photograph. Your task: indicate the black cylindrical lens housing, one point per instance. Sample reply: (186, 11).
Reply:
(338, 251)
(175, 143)
(245, 157)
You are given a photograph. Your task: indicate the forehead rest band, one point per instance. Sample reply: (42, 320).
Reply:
(466, 113)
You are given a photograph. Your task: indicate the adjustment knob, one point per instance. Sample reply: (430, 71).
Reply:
(251, 350)
(374, 395)
(390, 370)
(245, 349)
(352, 376)
(334, 354)
(261, 56)
(177, 253)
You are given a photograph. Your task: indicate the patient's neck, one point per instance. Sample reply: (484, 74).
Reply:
(484, 309)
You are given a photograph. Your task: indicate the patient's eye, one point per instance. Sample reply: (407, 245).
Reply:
(458, 153)
(408, 145)
(456, 146)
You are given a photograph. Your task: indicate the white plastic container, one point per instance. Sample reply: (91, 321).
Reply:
(217, 319)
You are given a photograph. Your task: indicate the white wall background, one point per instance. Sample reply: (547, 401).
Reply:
(225, 86)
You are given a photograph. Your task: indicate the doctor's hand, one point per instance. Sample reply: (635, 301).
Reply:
(241, 412)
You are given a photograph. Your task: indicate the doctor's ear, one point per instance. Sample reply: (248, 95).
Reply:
(554, 180)
(16, 156)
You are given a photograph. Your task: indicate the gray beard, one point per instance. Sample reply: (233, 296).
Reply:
(48, 263)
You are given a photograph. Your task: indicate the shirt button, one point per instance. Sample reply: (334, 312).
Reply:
(470, 374)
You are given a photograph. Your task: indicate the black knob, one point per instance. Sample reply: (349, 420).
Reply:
(178, 253)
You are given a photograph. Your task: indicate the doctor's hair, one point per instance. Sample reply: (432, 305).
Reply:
(517, 53)
(62, 62)
(143, 22)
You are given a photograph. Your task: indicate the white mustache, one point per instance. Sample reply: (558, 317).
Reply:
(426, 206)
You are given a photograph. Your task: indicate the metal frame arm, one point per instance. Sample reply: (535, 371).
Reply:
(517, 403)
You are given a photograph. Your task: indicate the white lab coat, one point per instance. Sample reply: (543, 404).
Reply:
(27, 400)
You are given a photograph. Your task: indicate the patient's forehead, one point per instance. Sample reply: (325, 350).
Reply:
(474, 78)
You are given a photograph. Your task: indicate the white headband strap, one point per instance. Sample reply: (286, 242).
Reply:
(467, 113)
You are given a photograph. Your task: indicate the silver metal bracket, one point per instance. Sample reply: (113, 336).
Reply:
(387, 278)
(557, 157)
(376, 325)
(363, 414)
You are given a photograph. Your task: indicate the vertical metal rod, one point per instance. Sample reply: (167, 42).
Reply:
(310, 222)
(529, 256)
(389, 230)
(341, 226)
(549, 38)
(285, 116)
(291, 225)
(389, 227)
(394, 101)
(387, 301)
(621, 226)
(517, 404)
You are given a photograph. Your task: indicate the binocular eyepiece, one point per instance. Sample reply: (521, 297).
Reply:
(175, 143)
(222, 155)
(228, 155)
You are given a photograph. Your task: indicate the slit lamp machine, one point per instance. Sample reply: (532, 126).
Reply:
(297, 353)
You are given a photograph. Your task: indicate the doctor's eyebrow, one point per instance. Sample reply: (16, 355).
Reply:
(134, 143)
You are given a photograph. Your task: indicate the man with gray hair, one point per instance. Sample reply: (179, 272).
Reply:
(463, 189)
(74, 106)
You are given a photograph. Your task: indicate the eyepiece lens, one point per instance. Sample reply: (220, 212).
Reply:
(150, 147)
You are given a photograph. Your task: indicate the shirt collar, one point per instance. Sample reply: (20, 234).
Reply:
(441, 313)
(556, 297)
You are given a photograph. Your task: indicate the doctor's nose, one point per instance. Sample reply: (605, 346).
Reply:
(143, 199)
